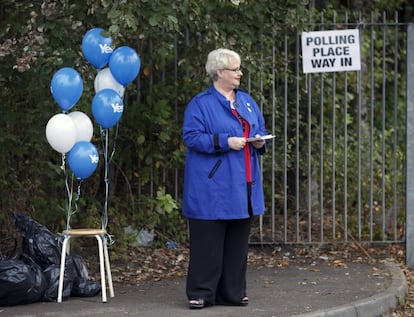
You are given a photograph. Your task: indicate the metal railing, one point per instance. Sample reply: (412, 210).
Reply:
(338, 172)
(338, 169)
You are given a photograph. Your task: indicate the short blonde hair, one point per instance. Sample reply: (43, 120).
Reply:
(220, 59)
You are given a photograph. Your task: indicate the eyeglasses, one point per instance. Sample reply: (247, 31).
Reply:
(236, 70)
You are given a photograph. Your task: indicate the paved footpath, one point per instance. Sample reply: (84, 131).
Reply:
(306, 289)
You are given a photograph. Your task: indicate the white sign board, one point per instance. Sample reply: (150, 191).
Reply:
(331, 51)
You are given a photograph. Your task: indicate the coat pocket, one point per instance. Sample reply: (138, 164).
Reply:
(214, 169)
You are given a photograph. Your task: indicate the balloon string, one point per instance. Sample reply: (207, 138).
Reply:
(114, 144)
(69, 193)
(109, 239)
(63, 165)
(68, 190)
(105, 134)
(71, 210)
(78, 194)
(107, 162)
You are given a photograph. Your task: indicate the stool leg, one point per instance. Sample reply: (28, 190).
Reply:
(108, 269)
(62, 268)
(102, 267)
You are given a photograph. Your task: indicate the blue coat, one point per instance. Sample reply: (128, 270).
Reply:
(215, 176)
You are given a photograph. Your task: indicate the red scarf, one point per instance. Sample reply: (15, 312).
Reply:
(246, 132)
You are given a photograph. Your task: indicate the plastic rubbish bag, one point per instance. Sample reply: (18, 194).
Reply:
(145, 237)
(21, 282)
(38, 242)
(44, 248)
(52, 274)
(76, 281)
(82, 285)
(142, 238)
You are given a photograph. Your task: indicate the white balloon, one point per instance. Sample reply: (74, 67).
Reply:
(61, 132)
(105, 80)
(83, 124)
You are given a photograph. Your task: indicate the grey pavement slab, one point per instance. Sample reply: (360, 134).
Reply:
(311, 289)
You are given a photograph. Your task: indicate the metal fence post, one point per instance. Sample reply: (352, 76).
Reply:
(410, 148)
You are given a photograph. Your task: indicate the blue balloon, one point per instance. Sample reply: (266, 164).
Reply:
(124, 64)
(83, 159)
(66, 87)
(107, 107)
(96, 48)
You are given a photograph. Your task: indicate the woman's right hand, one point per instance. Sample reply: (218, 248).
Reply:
(236, 143)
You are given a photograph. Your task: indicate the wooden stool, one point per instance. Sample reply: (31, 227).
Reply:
(100, 235)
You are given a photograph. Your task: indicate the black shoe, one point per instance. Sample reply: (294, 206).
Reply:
(244, 301)
(196, 303)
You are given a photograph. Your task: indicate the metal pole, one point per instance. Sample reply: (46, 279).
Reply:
(410, 148)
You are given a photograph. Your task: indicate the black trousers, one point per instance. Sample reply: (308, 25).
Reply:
(218, 260)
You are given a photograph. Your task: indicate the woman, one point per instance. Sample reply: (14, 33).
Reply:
(222, 183)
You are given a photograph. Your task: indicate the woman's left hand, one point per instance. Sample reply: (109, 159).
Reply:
(258, 144)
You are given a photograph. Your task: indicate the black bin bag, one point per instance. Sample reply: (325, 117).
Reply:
(21, 282)
(52, 278)
(82, 285)
(38, 242)
(44, 248)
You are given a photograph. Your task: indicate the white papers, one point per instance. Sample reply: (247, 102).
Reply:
(260, 138)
